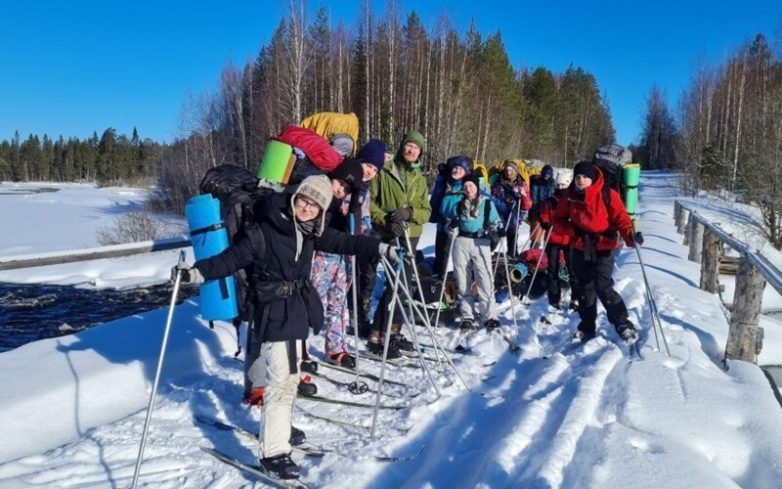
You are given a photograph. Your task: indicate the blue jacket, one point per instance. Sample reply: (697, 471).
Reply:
(541, 190)
(443, 186)
(452, 210)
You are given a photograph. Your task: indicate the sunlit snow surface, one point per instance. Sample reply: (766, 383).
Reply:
(73, 408)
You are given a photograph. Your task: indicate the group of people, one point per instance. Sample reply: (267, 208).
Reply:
(374, 205)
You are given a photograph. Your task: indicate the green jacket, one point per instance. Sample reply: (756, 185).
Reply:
(399, 185)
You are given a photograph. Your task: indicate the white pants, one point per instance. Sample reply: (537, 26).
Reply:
(279, 397)
(472, 261)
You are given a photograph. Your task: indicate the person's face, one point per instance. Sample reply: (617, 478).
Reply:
(561, 186)
(510, 172)
(370, 171)
(339, 188)
(306, 209)
(411, 152)
(457, 173)
(582, 182)
(470, 190)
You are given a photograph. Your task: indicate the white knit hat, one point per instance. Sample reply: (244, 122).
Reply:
(564, 177)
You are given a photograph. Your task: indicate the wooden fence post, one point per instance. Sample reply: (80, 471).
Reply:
(710, 264)
(744, 335)
(696, 241)
(688, 230)
(681, 217)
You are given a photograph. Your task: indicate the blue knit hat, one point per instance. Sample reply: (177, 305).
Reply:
(374, 153)
(463, 161)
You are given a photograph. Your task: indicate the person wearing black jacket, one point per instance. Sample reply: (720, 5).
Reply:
(279, 249)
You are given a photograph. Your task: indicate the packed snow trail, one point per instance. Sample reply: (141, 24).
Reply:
(552, 415)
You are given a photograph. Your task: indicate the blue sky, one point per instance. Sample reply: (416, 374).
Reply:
(72, 68)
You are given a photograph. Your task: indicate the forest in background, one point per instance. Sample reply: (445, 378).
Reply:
(461, 90)
(396, 74)
(112, 159)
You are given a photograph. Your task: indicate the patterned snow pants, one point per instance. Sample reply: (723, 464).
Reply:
(331, 278)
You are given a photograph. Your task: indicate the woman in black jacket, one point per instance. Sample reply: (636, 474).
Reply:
(279, 251)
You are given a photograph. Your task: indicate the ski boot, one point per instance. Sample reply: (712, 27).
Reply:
(342, 359)
(627, 331)
(491, 324)
(297, 437)
(306, 386)
(399, 339)
(280, 466)
(375, 346)
(467, 325)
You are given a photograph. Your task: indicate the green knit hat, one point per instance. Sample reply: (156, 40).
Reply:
(414, 137)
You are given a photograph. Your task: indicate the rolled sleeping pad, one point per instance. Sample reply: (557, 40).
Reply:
(209, 238)
(631, 200)
(631, 175)
(518, 272)
(277, 162)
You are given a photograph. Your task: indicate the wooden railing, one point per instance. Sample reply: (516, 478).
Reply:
(705, 240)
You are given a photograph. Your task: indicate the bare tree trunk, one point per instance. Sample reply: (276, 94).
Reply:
(738, 123)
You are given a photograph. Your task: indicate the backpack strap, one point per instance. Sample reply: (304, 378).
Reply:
(486, 212)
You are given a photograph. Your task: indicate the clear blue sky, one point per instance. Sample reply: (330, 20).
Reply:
(74, 67)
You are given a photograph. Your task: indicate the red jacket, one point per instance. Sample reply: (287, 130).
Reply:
(560, 233)
(590, 217)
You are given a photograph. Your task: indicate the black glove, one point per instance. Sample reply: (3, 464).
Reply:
(494, 239)
(545, 225)
(190, 275)
(638, 237)
(401, 215)
(396, 228)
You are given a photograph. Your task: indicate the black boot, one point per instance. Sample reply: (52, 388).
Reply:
(399, 339)
(307, 387)
(491, 324)
(281, 466)
(584, 333)
(627, 331)
(375, 346)
(297, 436)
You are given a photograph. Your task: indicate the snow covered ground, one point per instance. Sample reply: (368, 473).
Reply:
(73, 407)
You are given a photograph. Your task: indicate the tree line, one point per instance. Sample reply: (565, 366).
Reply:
(460, 90)
(112, 159)
(729, 131)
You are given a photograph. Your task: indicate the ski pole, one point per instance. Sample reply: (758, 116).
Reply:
(420, 286)
(394, 298)
(436, 342)
(518, 225)
(510, 293)
(442, 286)
(507, 223)
(546, 238)
(652, 304)
(357, 386)
(162, 355)
(408, 321)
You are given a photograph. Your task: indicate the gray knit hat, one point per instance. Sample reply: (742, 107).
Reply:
(318, 189)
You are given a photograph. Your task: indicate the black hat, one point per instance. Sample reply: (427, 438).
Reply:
(350, 172)
(586, 169)
(474, 177)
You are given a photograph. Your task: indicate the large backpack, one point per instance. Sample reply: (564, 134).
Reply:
(611, 159)
(237, 190)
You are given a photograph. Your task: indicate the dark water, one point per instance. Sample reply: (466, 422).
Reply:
(33, 312)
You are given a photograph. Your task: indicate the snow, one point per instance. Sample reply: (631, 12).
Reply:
(73, 407)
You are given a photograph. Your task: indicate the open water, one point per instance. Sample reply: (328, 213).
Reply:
(30, 312)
